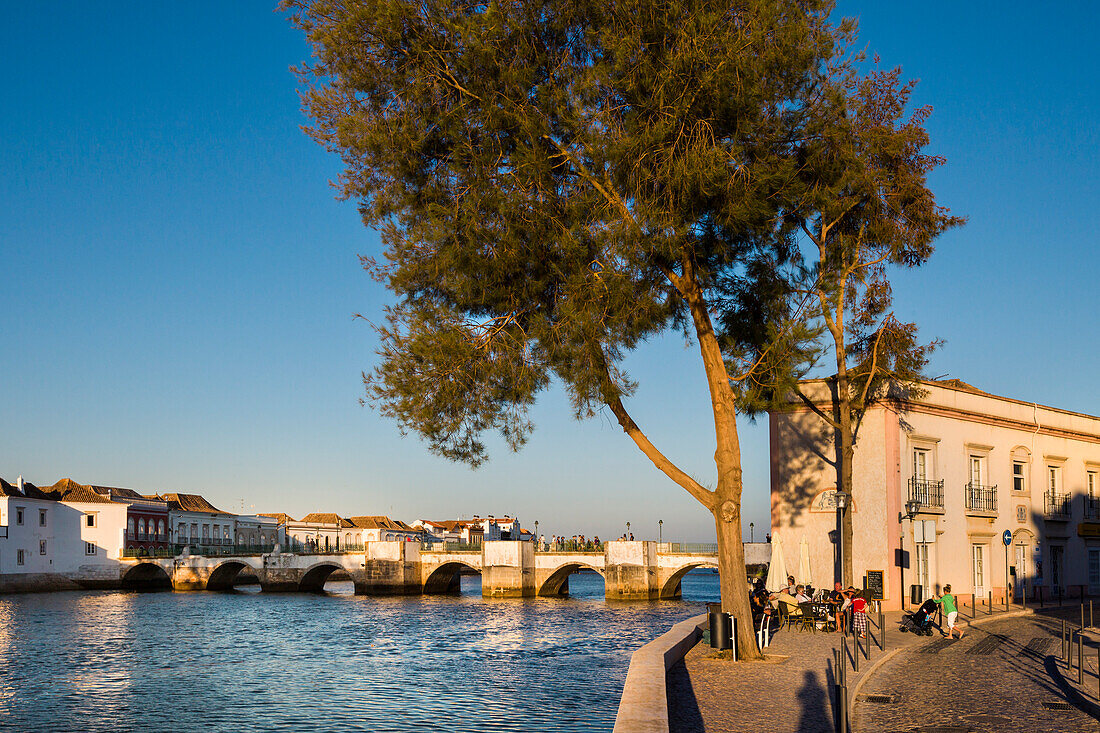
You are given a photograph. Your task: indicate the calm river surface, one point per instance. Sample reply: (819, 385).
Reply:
(123, 661)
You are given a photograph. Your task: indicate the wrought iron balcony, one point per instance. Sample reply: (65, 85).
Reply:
(981, 498)
(928, 493)
(1092, 507)
(1056, 506)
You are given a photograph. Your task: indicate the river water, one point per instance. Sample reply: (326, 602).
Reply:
(244, 661)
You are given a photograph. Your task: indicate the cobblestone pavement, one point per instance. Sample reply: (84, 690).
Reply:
(790, 693)
(1000, 677)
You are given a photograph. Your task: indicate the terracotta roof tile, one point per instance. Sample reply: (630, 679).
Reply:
(68, 490)
(30, 491)
(188, 503)
(281, 516)
(377, 522)
(327, 518)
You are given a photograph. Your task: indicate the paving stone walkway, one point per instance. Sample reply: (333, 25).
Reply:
(793, 690)
(789, 693)
(998, 678)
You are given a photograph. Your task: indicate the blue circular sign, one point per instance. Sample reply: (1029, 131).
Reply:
(1007, 537)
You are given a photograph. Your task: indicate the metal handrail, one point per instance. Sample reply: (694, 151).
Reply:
(981, 498)
(928, 493)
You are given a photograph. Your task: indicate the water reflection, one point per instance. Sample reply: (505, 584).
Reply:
(243, 660)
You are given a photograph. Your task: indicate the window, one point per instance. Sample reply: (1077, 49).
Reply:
(1021, 513)
(920, 464)
(141, 528)
(160, 528)
(89, 519)
(19, 516)
(41, 517)
(130, 526)
(1090, 483)
(90, 548)
(41, 547)
(1054, 479)
(976, 470)
(20, 557)
(1019, 480)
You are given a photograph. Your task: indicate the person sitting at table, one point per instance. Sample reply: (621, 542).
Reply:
(790, 587)
(760, 599)
(800, 594)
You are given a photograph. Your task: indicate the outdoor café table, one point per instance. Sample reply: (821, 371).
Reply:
(823, 611)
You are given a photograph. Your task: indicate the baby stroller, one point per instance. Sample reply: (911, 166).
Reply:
(920, 621)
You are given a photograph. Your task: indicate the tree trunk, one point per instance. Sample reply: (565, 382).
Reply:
(845, 452)
(733, 577)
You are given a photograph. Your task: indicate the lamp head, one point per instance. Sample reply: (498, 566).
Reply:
(842, 500)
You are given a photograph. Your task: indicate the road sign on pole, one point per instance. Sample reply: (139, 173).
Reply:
(1007, 537)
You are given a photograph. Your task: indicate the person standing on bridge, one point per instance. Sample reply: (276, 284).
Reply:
(950, 607)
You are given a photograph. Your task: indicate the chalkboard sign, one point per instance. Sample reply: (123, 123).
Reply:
(873, 584)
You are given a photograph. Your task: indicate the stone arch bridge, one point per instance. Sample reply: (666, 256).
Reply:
(509, 569)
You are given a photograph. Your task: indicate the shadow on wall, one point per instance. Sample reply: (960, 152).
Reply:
(1055, 542)
(801, 463)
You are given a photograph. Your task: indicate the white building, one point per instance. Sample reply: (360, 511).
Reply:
(259, 531)
(979, 465)
(323, 531)
(195, 521)
(66, 536)
(380, 528)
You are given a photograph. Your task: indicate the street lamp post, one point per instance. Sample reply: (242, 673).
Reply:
(537, 543)
(660, 528)
(841, 505)
(911, 508)
(628, 530)
(750, 531)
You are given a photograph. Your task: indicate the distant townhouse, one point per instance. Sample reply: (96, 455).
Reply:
(26, 539)
(197, 522)
(381, 528)
(259, 531)
(88, 534)
(319, 530)
(65, 536)
(472, 531)
(147, 521)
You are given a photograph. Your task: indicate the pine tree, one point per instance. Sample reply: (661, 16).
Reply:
(557, 181)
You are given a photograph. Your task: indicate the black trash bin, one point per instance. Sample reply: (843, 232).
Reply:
(721, 629)
(916, 595)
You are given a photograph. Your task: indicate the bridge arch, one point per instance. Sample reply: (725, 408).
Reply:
(447, 577)
(146, 576)
(557, 584)
(225, 575)
(313, 579)
(671, 587)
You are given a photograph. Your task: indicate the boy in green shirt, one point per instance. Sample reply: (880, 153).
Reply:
(951, 609)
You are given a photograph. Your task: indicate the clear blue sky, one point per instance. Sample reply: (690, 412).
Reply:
(179, 282)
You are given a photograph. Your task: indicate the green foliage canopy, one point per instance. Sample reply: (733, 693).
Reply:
(556, 181)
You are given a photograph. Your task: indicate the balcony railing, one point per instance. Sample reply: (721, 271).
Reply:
(146, 537)
(452, 547)
(1092, 507)
(1056, 506)
(928, 493)
(981, 498)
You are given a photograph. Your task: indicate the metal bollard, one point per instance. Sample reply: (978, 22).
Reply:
(857, 655)
(1062, 638)
(1090, 613)
(1082, 615)
(990, 601)
(1080, 656)
(882, 628)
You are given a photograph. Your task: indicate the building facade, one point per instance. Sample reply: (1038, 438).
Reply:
(148, 525)
(977, 468)
(196, 522)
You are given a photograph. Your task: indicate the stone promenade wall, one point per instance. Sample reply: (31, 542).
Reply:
(643, 707)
